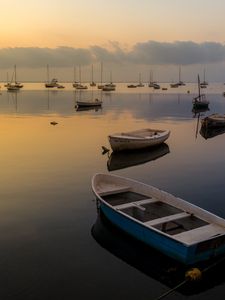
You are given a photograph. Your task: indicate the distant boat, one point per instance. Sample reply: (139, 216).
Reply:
(137, 139)
(53, 83)
(75, 83)
(204, 83)
(200, 101)
(92, 77)
(86, 108)
(17, 84)
(152, 83)
(125, 159)
(90, 103)
(14, 85)
(179, 83)
(100, 86)
(131, 86)
(109, 86)
(80, 86)
(140, 84)
(173, 226)
(174, 85)
(214, 120)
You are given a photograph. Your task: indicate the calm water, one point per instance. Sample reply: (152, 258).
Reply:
(53, 243)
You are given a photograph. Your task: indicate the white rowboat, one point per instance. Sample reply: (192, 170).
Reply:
(138, 139)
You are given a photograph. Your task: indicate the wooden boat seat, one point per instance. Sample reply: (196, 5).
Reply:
(167, 219)
(136, 203)
(140, 135)
(200, 234)
(114, 190)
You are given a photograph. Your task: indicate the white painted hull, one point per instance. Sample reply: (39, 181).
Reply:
(134, 140)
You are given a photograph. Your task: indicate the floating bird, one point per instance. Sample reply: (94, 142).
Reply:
(104, 150)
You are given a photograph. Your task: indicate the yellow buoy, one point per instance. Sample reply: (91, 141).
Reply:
(193, 274)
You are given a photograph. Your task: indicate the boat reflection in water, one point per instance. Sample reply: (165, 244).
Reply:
(210, 132)
(153, 263)
(125, 159)
(198, 111)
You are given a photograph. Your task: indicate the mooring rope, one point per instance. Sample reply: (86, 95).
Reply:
(191, 275)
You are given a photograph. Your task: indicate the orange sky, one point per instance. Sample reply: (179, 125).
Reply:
(40, 23)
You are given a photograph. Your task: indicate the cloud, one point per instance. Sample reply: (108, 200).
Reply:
(184, 53)
(39, 57)
(150, 52)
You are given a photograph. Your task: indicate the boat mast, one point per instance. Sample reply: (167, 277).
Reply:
(15, 72)
(199, 92)
(74, 74)
(101, 72)
(80, 74)
(92, 73)
(48, 73)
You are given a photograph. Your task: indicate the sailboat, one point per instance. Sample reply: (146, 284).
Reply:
(16, 85)
(204, 83)
(140, 84)
(109, 86)
(179, 83)
(80, 86)
(75, 83)
(53, 83)
(100, 86)
(200, 101)
(92, 80)
(152, 83)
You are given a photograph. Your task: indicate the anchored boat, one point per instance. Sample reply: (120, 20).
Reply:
(138, 139)
(171, 225)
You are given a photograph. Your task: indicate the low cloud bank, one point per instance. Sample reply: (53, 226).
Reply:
(150, 52)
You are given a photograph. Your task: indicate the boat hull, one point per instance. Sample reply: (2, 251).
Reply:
(214, 121)
(169, 247)
(120, 143)
(88, 103)
(149, 237)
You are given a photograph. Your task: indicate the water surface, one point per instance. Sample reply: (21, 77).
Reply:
(50, 245)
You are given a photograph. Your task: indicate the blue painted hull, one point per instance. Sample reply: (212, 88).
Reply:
(165, 244)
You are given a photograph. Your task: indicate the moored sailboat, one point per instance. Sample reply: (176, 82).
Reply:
(200, 101)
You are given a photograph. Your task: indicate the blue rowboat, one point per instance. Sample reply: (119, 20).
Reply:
(173, 226)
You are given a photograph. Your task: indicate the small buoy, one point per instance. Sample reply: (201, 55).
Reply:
(53, 123)
(193, 274)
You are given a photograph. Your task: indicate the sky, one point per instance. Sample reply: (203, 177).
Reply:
(129, 37)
